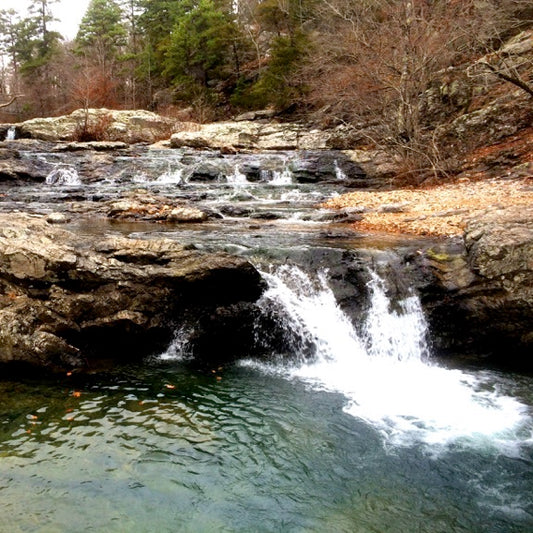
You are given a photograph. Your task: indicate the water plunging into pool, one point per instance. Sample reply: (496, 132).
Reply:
(340, 420)
(384, 369)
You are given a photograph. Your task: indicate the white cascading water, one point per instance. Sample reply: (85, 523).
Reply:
(383, 368)
(283, 177)
(339, 173)
(171, 177)
(63, 175)
(237, 178)
(11, 134)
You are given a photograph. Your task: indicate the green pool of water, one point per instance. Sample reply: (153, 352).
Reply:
(170, 447)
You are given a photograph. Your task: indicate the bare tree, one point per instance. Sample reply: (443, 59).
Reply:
(13, 98)
(504, 38)
(376, 60)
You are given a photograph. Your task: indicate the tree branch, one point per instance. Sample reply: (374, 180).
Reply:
(511, 79)
(13, 98)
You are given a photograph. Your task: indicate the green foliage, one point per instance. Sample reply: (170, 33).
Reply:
(156, 22)
(200, 45)
(245, 97)
(101, 27)
(284, 16)
(279, 84)
(28, 42)
(16, 36)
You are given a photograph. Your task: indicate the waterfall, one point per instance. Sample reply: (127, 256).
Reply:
(383, 367)
(11, 134)
(63, 175)
(237, 178)
(339, 173)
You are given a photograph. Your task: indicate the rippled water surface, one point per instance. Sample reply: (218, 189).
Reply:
(368, 436)
(170, 447)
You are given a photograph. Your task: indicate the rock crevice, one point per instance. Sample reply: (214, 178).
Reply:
(481, 293)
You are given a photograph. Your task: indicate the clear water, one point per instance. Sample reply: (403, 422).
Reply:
(356, 439)
(235, 450)
(363, 432)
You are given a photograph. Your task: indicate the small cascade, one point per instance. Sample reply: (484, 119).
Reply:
(383, 367)
(63, 175)
(11, 134)
(171, 177)
(179, 349)
(339, 173)
(283, 177)
(237, 178)
(395, 334)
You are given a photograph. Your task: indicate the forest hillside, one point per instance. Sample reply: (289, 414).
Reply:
(439, 86)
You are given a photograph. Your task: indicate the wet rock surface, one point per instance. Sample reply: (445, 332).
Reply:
(65, 299)
(155, 208)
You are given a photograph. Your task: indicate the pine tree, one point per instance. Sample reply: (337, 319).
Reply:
(102, 34)
(99, 44)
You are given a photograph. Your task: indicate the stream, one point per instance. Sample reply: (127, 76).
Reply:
(344, 421)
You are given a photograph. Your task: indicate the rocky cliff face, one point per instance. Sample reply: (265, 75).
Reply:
(66, 299)
(481, 294)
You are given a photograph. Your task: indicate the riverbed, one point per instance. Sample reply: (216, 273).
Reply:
(349, 423)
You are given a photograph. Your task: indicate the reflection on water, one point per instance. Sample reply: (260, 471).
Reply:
(170, 447)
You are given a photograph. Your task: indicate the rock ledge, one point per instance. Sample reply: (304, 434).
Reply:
(65, 299)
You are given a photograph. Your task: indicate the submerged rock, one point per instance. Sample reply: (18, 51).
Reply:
(65, 299)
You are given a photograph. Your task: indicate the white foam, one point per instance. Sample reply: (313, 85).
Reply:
(171, 177)
(339, 173)
(283, 177)
(63, 175)
(237, 178)
(11, 134)
(179, 348)
(385, 372)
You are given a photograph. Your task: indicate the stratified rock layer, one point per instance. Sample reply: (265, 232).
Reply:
(483, 293)
(66, 298)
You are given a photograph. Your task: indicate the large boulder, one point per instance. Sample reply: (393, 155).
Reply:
(482, 294)
(66, 298)
(251, 135)
(105, 124)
